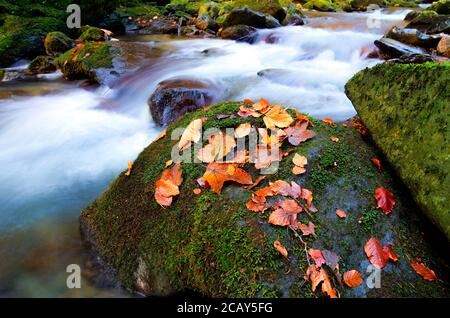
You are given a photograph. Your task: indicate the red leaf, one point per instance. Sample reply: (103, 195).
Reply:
(328, 121)
(317, 256)
(385, 200)
(377, 163)
(280, 248)
(424, 271)
(341, 214)
(390, 253)
(375, 253)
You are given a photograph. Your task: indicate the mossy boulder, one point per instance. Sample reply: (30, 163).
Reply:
(246, 16)
(320, 5)
(240, 32)
(90, 33)
(362, 5)
(211, 244)
(430, 22)
(407, 110)
(441, 7)
(41, 65)
(270, 7)
(86, 61)
(413, 37)
(57, 43)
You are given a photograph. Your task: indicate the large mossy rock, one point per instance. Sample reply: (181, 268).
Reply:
(213, 245)
(86, 61)
(441, 7)
(57, 43)
(407, 110)
(320, 5)
(41, 65)
(431, 23)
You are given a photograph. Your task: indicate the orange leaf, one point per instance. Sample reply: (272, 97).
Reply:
(424, 271)
(255, 184)
(161, 135)
(262, 106)
(281, 218)
(334, 139)
(317, 256)
(326, 285)
(264, 192)
(277, 117)
(375, 253)
(377, 163)
(197, 191)
(307, 195)
(299, 160)
(130, 165)
(242, 130)
(168, 163)
(192, 133)
(290, 207)
(257, 204)
(218, 173)
(299, 133)
(352, 278)
(302, 117)
(328, 121)
(341, 213)
(248, 101)
(307, 229)
(390, 253)
(385, 200)
(167, 185)
(280, 248)
(219, 146)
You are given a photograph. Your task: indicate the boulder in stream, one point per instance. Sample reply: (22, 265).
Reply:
(390, 49)
(413, 37)
(241, 33)
(441, 6)
(406, 108)
(57, 43)
(251, 18)
(175, 97)
(213, 245)
(431, 23)
(42, 65)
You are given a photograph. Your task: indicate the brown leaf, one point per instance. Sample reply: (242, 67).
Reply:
(334, 139)
(299, 133)
(167, 185)
(299, 162)
(277, 117)
(375, 253)
(424, 271)
(317, 256)
(219, 146)
(130, 165)
(331, 259)
(218, 173)
(385, 200)
(352, 278)
(280, 248)
(281, 218)
(307, 229)
(326, 285)
(242, 130)
(192, 133)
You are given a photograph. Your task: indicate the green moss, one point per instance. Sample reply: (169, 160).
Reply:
(90, 33)
(320, 5)
(57, 43)
(441, 7)
(143, 10)
(406, 108)
(83, 63)
(42, 64)
(2, 74)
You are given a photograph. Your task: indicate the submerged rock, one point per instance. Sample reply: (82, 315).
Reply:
(407, 110)
(212, 245)
(57, 43)
(175, 97)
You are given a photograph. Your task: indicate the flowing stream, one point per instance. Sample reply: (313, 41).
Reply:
(61, 144)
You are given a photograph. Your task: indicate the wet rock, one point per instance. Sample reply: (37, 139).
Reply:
(87, 61)
(431, 23)
(42, 65)
(249, 17)
(443, 46)
(204, 21)
(57, 43)
(390, 48)
(175, 97)
(200, 241)
(2, 74)
(362, 5)
(114, 24)
(241, 33)
(161, 26)
(411, 15)
(405, 108)
(413, 37)
(413, 59)
(441, 7)
(293, 19)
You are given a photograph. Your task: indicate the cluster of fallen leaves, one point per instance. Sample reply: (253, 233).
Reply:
(284, 200)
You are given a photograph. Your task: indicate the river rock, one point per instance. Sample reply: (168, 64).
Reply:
(114, 24)
(390, 48)
(57, 43)
(444, 46)
(212, 245)
(204, 21)
(362, 5)
(293, 19)
(175, 97)
(406, 109)
(320, 5)
(42, 65)
(241, 33)
(411, 15)
(430, 22)
(246, 16)
(441, 7)
(413, 37)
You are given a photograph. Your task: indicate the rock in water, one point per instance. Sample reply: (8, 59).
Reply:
(241, 33)
(407, 110)
(413, 37)
(175, 97)
(213, 245)
(57, 43)
(42, 65)
(429, 22)
(251, 18)
(390, 48)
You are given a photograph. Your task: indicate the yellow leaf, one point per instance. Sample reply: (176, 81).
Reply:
(277, 117)
(192, 133)
(242, 130)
